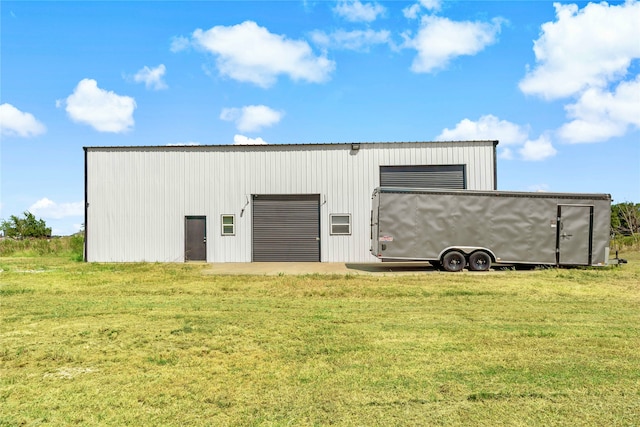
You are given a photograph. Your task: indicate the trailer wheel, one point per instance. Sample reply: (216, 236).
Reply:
(453, 261)
(479, 261)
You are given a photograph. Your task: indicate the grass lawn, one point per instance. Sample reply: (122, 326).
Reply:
(167, 345)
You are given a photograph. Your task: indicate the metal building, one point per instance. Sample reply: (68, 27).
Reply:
(243, 203)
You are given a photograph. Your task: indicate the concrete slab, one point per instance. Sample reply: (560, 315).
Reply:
(299, 268)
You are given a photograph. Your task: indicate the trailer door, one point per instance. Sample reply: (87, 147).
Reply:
(574, 234)
(375, 201)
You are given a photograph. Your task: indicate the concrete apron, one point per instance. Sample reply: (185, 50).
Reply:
(298, 268)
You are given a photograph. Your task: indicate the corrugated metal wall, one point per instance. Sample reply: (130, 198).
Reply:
(138, 197)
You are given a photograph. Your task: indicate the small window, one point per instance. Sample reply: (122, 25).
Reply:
(340, 224)
(228, 225)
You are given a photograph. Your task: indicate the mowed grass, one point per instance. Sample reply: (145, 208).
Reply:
(169, 345)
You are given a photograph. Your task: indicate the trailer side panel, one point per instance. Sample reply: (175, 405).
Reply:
(527, 228)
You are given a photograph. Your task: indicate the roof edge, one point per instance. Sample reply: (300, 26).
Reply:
(307, 145)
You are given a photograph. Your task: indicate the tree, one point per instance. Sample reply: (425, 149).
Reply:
(21, 228)
(625, 218)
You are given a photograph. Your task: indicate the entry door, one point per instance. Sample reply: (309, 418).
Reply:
(575, 234)
(195, 246)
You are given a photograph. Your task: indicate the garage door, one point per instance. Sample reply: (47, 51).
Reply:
(424, 176)
(286, 228)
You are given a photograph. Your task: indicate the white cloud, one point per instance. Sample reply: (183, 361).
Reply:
(440, 40)
(359, 40)
(104, 110)
(506, 153)
(508, 134)
(488, 127)
(249, 53)
(433, 5)
(539, 188)
(538, 149)
(356, 11)
(178, 44)
(599, 115)
(243, 140)
(151, 77)
(591, 47)
(412, 12)
(14, 122)
(251, 118)
(47, 208)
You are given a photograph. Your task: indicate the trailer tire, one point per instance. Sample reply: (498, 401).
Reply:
(453, 261)
(479, 261)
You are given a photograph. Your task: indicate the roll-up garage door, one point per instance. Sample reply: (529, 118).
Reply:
(286, 228)
(424, 176)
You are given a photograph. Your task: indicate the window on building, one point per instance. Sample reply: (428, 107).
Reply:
(228, 225)
(340, 224)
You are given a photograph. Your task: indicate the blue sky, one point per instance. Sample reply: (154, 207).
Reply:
(557, 83)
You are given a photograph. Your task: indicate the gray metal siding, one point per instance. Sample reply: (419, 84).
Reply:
(138, 197)
(286, 228)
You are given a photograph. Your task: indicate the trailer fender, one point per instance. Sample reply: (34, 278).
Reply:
(467, 250)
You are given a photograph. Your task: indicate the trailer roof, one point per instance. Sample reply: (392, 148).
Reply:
(495, 193)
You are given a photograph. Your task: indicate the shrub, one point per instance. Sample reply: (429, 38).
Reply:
(71, 246)
(76, 243)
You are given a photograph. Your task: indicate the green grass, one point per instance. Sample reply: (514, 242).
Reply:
(168, 344)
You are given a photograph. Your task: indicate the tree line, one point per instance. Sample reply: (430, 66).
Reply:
(25, 227)
(625, 219)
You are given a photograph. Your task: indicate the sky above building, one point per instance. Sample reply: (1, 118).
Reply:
(558, 84)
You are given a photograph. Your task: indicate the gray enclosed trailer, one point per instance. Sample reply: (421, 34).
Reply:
(459, 228)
